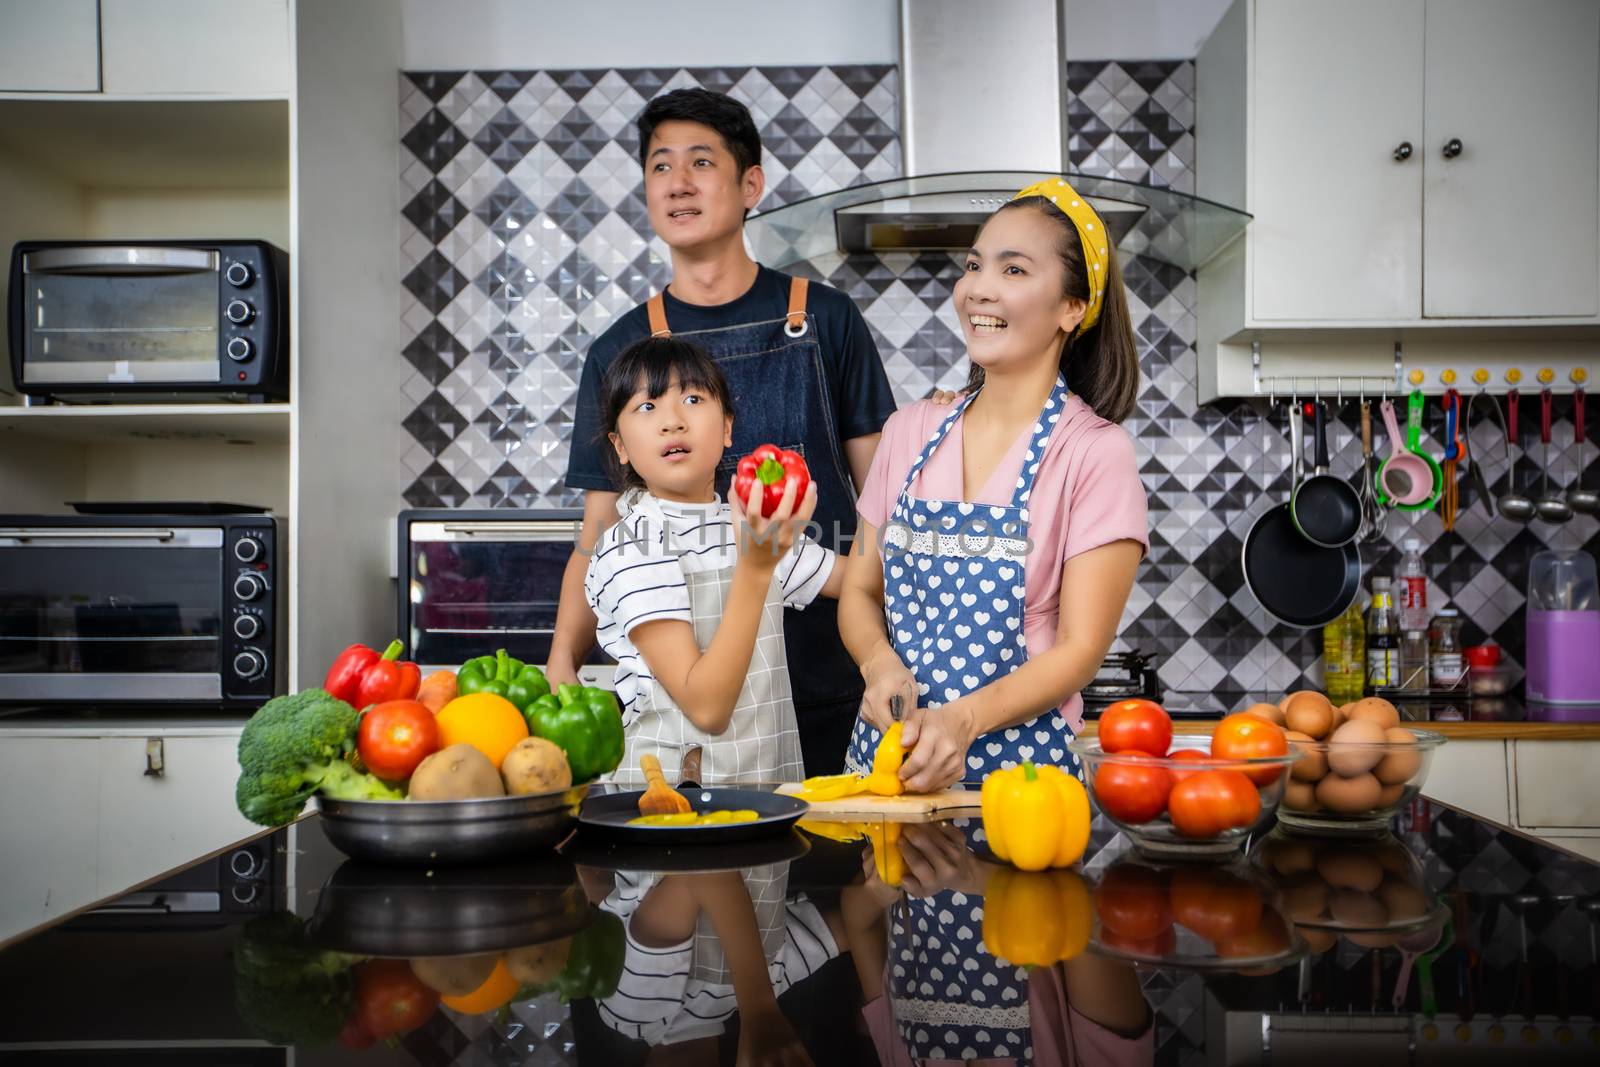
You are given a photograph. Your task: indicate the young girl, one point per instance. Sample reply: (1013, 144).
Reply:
(1000, 539)
(693, 615)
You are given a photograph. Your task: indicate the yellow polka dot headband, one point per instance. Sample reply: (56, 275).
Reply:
(1091, 231)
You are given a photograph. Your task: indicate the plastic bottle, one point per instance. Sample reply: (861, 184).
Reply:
(1414, 659)
(1412, 590)
(1344, 663)
(1383, 638)
(1444, 654)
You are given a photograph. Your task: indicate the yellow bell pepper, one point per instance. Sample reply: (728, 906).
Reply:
(1036, 918)
(833, 831)
(832, 787)
(885, 838)
(1035, 816)
(886, 761)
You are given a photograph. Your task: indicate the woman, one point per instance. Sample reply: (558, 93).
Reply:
(999, 540)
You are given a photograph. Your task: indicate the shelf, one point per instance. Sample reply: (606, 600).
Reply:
(99, 424)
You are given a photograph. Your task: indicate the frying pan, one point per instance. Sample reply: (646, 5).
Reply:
(606, 817)
(1326, 509)
(1296, 582)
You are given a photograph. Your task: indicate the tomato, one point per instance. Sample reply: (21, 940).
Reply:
(1136, 726)
(1130, 791)
(1187, 755)
(1215, 904)
(390, 999)
(355, 1035)
(1243, 736)
(1131, 901)
(1269, 938)
(395, 736)
(1163, 944)
(1209, 802)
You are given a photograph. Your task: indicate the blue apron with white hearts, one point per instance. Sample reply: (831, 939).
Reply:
(954, 578)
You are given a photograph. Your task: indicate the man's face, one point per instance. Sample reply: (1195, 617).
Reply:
(692, 185)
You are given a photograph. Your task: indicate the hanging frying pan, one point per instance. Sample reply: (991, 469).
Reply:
(1296, 582)
(1326, 509)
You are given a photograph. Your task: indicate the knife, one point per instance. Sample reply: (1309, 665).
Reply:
(689, 769)
(894, 707)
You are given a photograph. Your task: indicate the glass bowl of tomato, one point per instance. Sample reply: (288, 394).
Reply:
(1342, 788)
(1187, 804)
(1198, 917)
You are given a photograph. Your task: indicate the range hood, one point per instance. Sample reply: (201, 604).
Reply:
(968, 73)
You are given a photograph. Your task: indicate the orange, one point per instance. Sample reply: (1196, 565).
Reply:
(496, 990)
(489, 723)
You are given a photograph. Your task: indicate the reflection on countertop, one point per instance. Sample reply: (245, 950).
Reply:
(864, 942)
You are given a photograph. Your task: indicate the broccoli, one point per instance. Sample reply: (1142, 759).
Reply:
(298, 745)
(287, 991)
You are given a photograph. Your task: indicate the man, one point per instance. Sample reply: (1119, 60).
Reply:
(801, 364)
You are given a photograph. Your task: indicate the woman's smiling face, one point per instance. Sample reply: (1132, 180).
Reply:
(1010, 297)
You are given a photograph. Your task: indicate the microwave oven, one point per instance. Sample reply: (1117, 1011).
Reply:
(474, 581)
(147, 320)
(141, 609)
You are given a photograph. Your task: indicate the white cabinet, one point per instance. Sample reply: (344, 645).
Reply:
(1555, 784)
(225, 47)
(49, 837)
(49, 47)
(1410, 165)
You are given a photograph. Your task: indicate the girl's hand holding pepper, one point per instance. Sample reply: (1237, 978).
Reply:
(764, 540)
(937, 740)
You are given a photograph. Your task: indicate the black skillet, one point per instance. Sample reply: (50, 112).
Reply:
(1326, 508)
(1298, 583)
(606, 817)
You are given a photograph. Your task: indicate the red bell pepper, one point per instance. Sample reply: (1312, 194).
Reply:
(361, 677)
(771, 467)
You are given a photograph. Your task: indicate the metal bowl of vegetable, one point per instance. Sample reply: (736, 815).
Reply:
(451, 832)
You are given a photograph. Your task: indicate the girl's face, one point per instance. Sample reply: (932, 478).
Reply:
(1013, 311)
(674, 441)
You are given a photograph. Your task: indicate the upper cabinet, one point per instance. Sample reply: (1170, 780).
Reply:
(1405, 160)
(237, 48)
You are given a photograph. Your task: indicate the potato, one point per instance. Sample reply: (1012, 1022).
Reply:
(459, 772)
(1400, 765)
(539, 964)
(1308, 712)
(1375, 709)
(535, 765)
(1270, 712)
(1362, 736)
(453, 976)
(1313, 763)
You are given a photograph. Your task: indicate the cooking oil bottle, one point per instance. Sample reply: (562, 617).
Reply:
(1344, 647)
(1383, 637)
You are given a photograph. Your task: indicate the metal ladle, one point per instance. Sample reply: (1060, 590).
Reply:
(1513, 505)
(1583, 501)
(1551, 508)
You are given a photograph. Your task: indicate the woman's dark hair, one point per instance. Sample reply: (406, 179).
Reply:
(722, 113)
(1101, 364)
(653, 365)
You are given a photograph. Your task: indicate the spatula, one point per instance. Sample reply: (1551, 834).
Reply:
(659, 798)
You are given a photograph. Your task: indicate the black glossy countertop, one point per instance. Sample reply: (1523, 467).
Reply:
(795, 950)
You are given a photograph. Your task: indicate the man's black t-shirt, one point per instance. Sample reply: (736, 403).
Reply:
(857, 381)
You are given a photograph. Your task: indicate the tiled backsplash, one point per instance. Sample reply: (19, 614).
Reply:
(524, 232)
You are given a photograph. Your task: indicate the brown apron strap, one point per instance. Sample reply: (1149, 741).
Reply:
(657, 309)
(797, 304)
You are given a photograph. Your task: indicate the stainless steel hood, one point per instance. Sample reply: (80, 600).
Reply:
(983, 84)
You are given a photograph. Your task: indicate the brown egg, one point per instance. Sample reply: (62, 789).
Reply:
(1341, 714)
(1400, 765)
(1349, 795)
(1301, 796)
(1377, 709)
(1317, 940)
(1306, 901)
(1350, 868)
(1353, 748)
(1390, 795)
(1308, 712)
(1289, 856)
(1404, 901)
(1313, 763)
(1373, 940)
(1270, 712)
(1357, 909)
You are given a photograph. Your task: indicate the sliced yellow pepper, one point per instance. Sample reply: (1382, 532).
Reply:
(886, 761)
(1036, 918)
(885, 838)
(1035, 816)
(832, 787)
(833, 831)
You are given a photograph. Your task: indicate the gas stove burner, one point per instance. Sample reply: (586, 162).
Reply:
(1124, 676)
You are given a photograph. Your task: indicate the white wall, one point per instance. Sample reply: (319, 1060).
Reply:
(1140, 29)
(563, 34)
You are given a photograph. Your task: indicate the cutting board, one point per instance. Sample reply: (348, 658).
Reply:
(904, 804)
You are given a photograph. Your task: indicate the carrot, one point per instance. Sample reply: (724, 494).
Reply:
(437, 690)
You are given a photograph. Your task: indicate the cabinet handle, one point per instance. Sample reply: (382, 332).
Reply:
(1403, 152)
(1452, 148)
(155, 757)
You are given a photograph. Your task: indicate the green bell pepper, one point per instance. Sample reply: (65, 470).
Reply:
(500, 674)
(594, 961)
(583, 722)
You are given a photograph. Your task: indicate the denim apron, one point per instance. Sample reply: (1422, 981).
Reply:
(781, 396)
(954, 578)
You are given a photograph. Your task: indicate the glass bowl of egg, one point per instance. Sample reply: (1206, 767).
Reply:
(1357, 765)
